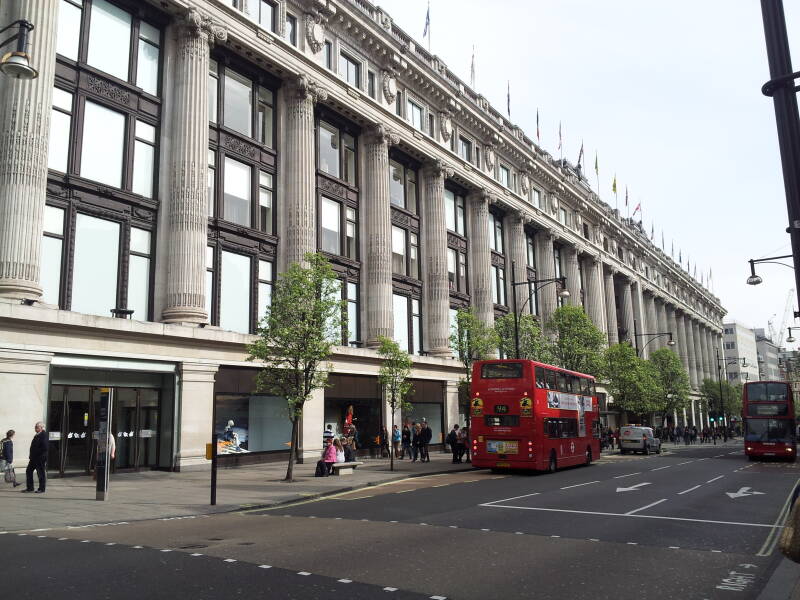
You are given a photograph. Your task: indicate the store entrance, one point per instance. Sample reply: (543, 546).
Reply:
(72, 419)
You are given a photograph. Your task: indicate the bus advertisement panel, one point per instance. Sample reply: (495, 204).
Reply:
(769, 421)
(529, 415)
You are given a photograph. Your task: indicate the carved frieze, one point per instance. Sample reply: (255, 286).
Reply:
(332, 187)
(315, 36)
(489, 157)
(445, 125)
(104, 88)
(239, 146)
(456, 241)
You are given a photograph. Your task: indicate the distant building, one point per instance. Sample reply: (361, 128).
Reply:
(768, 368)
(739, 342)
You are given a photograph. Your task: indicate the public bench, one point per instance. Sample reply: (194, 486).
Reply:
(345, 468)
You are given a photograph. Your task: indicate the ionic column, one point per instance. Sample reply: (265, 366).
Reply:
(690, 347)
(518, 253)
(611, 308)
(25, 106)
(546, 269)
(480, 257)
(712, 361)
(187, 220)
(701, 344)
(573, 274)
(301, 202)
(377, 215)
(652, 322)
(594, 291)
(626, 298)
(437, 288)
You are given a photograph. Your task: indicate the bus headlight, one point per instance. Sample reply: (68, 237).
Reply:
(749, 448)
(790, 449)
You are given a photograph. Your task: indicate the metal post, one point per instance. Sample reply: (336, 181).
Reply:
(516, 315)
(782, 89)
(105, 437)
(213, 469)
(636, 337)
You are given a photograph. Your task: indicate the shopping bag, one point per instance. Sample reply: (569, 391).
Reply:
(9, 475)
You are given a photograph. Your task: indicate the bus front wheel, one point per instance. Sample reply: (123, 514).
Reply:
(588, 456)
(552, 465)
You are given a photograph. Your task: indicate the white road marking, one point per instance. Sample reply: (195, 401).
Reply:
(685, 463)
(719, 456)
(392, 521)
(311, 517)
(345, 580)
(404, 491)
(659, 468)
(230, 560)
(633, 543)
(389, 589)
(717, 551)
(633, 488)
(84, 541)
(593, 540)
(772, 538)
(715, 478)
(137, 547)
(195, 554)
(519, 533)
(555, 536)
(636, 510)
(264, 566)
(674, 547)
(515, 498)
(691, 489)
(485, 529)
(423, 523)
(743, 493)
(365, 519)
(579, 485)
(633, 516)
(628, 475)
(453, 526)
(22, 534)
(304, 573)
(166, 550)
(438, 597)
(42, 536)
(62, 539)
(109, 543)
(337, 519)
(441, 485)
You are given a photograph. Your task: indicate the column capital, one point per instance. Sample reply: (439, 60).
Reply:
(438, 168)
(380, 134)
(301, 87)
(193, 22)
(479, 196)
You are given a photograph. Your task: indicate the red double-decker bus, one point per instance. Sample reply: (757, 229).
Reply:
(529, 415)
(769, 421)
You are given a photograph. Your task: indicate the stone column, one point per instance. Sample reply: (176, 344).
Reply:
(642, 325)
(519, 258)
(377, 215)
(197, 410)
(546, 269)
(187, 207)
(25, 381)
(712, 359)
(437, 287)
(626, 298)
(592, 270)
(663, 322)
(691, 347)
(573, 274)
(703, 352)
(680, 337)
(611, 308)
(480, 257)
(652, 323)
(25, 106)
(300, 198)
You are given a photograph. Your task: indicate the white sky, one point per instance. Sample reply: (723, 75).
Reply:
(668, 94)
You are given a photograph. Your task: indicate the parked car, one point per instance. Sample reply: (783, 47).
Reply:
(638, 439)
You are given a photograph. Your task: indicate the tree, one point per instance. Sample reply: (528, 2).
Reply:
(672, 382)
(731, 399)
(533, 344)
(470, 340)
(577, 344)
(631, 380)
(296, 336)
(729, 403)
(393, 375)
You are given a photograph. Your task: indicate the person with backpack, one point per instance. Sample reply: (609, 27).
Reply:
(7, 458)
(452, 440)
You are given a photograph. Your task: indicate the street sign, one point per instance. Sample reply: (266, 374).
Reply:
(745, 491)
(633, 488)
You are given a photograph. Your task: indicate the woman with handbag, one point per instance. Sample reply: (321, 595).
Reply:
(7, 458)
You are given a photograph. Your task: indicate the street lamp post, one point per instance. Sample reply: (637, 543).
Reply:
(652, 336)
(538, 284)
(722, 363)
(18, 62)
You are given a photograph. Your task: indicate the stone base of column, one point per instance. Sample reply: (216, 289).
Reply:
(184, 314)
(441, 352)
(20, 289)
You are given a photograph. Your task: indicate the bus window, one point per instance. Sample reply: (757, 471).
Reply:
(757, 392)
(561, 428)
(777, 392)
(551, 380)
(587, 386)
(511, 370)
(561, 385)
(540, 378)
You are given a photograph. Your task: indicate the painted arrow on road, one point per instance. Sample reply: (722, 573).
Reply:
(632, 488)
(745, 491)
(747, 566)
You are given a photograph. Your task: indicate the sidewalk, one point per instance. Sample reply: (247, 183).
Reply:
(70, 501)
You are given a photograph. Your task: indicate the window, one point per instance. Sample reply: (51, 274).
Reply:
(103, 144)
(511, 370)
(109, 39)
(238, 102)
(536, 198)
(139, 274)
(291, 29)
(144, 154)
(454, 211)
(266, 15)
(407, 323)
(213, 90)
(496, 233)
(499, 285)
(416, 327)
(328, 54)
(237, 198)
(234, 309)
(415, 115)
(402, 186)
(457, 270)
(60, 127)
(147, 59)
(586, 233)
(350, 69)
(465, 149)
(399, 250)
(730, 345)
(95, 268)
(505, 176)
(264, 288)
(331, 226)
(530, 251)
(351, 321)
(351, 228)
(266, 216)
(52, 252)
(335, 158)
(265, 117)
(562, 216)
(431, 123)
(212, 175)
(561, 428)
(209, 281)
(452, 268)
(69, 28)
(371, 87)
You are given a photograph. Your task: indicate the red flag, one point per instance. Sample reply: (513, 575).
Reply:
(637, 209)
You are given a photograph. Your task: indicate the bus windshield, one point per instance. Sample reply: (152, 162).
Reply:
(767, 392)
(769, 430)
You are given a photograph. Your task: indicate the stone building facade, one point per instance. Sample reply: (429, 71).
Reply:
(173, 157)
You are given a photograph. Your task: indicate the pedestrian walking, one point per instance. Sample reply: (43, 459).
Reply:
(37, 460)
(384, 442)
(396, 437)
(426, 433)
(452, 440)
(465, 451)
(406, 441)
(416, 441)
(7, 459)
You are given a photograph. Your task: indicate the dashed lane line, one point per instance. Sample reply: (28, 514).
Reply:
(515, 498)
(652, 504)
(659, 468)
(691, 489)
(579, 485)
(628, 475)
(715, 479)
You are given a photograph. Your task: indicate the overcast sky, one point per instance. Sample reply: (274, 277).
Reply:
(668, 94)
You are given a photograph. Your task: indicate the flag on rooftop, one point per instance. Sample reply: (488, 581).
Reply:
(538, 133)
(626, 197)
(427, 22)
(472, 70)
(580, 156)
(559, 135)
(596, 165)
(508, 99)
(652, 231)
(637, 209)
(614, 184)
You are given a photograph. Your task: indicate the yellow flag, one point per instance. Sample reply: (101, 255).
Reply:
(614, 184)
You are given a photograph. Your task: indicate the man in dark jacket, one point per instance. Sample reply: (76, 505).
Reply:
(426, 434)
(37, 460)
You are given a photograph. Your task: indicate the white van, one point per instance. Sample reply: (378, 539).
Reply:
(638, 439)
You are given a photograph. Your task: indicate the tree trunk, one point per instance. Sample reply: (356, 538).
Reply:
(391, 433)
(290, 467)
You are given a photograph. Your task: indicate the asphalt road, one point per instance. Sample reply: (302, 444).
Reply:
(699, 522)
